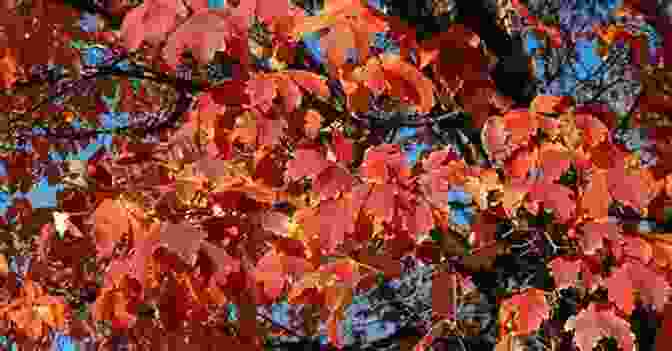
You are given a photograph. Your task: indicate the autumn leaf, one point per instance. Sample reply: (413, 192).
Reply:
(395, 68)
(204, 33)
(523, 313)
(8, 68)
(596, 199)
(181, 238)
(161, 14)
(565, 272)
(34, 311)
(634, 276)
(330, 176)
(273, 269)
(224, 263)
(111, 222)
(593, 324)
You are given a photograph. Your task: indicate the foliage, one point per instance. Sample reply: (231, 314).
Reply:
(271, 182)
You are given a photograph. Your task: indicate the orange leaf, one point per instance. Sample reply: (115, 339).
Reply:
(595, 200)
(313, 122)
(4, 266)
(424, 88)
(111, 222)
(524, 311)
(8, 69)
(592, 324)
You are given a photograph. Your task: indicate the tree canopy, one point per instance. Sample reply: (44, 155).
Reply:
(315, 155)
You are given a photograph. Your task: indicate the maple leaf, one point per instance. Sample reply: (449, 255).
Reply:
(329, 175)
(151, 21)
(181, 238)
(554, 196)
(565, 272)
(329, 222)
(502, 135)
(34, 309)
(636, 248)
(8, 68)
(115, 305)
(204, 33)
(111, 224)
(595, 199)
(551, 104)
(629, 187)
(273, 268)
(352, 12)
(633, 276)
(524, 311)
(225, 263)
(384, 162)
(593, 324)
(594, 234)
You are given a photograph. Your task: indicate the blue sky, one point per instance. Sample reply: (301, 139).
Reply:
(44, 195)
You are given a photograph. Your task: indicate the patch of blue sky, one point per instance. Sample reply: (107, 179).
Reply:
(588, 64)
(216, 4)
(87, 22)
(406, 132)
(63, 342)
(463, 214)
(44, 195)
(280, 313)
(457, 194)
(311, 41)
(413, 152)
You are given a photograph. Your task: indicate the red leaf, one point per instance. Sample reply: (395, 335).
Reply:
(342, 147)
(595, 200)
(637, 248)
(595, 131)
(594, 234)
(267, 11)
(271, 272)
(204, 33)
(591, 325)
(555, 161)
(555, 196)
(525, 311)
(551, 104)
(262, 91)
(332, 180)
(628, 187)
(565, 272)
(224, 263)
(181, 238)
(150, 21)
(311, 82)
(308, 162)
(384, 161)
(111, 223)
(634, 276)
(329, 176)
(396, 68)
(335, 220)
